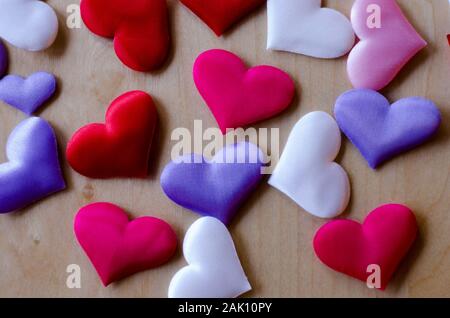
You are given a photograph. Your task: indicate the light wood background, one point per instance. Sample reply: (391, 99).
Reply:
(273, 236)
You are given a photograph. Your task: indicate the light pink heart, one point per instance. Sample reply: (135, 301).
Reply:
(382, 52)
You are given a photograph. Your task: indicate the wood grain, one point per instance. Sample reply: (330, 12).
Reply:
(272, 235)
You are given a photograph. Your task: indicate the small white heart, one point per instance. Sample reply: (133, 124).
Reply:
(306, 171)
(302, 26)
(214, 269)
(28, 24)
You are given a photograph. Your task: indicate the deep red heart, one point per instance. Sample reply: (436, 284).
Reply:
(383, 239)
(118, 247)
(121, 147)
(220, 15)
(140, 29)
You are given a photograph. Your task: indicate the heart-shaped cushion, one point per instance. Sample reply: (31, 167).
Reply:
(220, 15)
(28, 24)
(238, 96)
(214, 187)
(382, 131)
(121, 147)
(383, 240)
(304, 27)
(33, 171)
(306, 171)
(118, 247)
(27, 94)
(382, 51)
(214, 269)
(140, 29)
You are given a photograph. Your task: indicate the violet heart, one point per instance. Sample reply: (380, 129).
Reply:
(217, 187)
(27, 94)
(382, 131)
(33, 171)
(3, 60)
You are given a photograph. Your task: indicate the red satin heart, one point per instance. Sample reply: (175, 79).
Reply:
(383, 239)
(118, 247)
(140, 29)
(121, 147)
(220, 15)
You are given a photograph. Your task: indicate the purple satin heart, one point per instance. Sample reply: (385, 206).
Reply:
(382, 131)
(215, 188)
(33, 171)
(3, 60)
(27, 94)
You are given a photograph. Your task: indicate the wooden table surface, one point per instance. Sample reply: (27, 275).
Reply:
(273, 236)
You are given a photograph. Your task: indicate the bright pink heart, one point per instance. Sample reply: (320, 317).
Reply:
(238, 96)
(387, 42)
(118, 247)
(383, 239)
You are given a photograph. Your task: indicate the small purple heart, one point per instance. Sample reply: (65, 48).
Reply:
(33, 171)
(3, 60)
(27, 94)
(214, 188)
(382, 131)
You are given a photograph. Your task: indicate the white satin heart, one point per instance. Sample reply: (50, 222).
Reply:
(306, 171)
(28, 24)
(214, 269)
(302, 26)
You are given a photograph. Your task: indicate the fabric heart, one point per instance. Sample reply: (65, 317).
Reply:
(32, 171)
(3, 60)
(121, 147)
(28, 24)
(238, 96)
(381, 131)
(220, 15)
(118, 247)
(304, 27)
(27, 94)
(384, 48)
(214, 269)
(140, 29)
(383, 239)
(306, 172)
(218, 187)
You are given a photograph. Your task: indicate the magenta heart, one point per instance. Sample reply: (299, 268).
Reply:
(239, 96)
(118, 247)
(381, 131)
(383, 48)
(27, 94)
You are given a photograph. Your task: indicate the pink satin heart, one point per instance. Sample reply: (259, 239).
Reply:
(382, 52)
(118, 247)
(239, 96)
